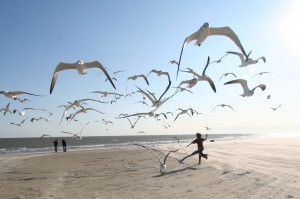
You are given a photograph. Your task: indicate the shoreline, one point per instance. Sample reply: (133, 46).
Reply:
(259, 168)
(86, 145)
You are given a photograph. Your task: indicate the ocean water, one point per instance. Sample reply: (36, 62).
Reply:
(13, 146)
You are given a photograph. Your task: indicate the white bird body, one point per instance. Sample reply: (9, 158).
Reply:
(206, 31)
(261, 73)
(6, 109)
(105, 93)
(14, 94)
(226, 74)
(45, 135)
(248, 61)
(244, 84)
(191, 83)
(85, 110)
(162, 164)
(134, 77)
(81, 67)
(184, 112)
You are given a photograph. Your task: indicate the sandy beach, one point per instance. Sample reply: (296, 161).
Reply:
(262, 168)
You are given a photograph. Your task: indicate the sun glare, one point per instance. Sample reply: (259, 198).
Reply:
(289, 28)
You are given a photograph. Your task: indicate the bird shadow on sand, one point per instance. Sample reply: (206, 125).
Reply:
(163, 173)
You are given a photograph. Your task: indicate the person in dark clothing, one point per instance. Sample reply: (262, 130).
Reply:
(55, 145)
(64, 144)
(199, 141)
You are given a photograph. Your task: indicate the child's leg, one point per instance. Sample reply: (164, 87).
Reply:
(200, 154)
(194, 153)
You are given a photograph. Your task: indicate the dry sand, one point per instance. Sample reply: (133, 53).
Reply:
(234, 169)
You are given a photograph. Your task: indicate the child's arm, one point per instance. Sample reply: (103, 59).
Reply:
(205, 137)
(189, 144)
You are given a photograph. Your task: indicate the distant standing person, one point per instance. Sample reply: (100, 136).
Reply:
(55, 145)
(199, 141)
(64, 144)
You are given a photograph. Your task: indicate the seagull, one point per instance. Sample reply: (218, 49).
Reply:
(129, 94)
(223, 105)
(191, 82)
(119, 71)
(183, 112)
(226, 74)
(274, 109)
(106, 122)
(105, 93)
(40, 118)
(174, 62)
(111, 78)
(20, 124)
(247, 91)
(207, 128)
(6, 109)
(268, 96)
(14, 94)
(134, 77)
(143, 102)
(81, 67)
(206, 31)
(77, 103)
(24, 100)
(133, 125)
(247, 61)
(45, 135)
(167, 125)
(159, 73)
(77, 136)
(140, 132)
(152, 150)
(85, 110)
(155, 103)
(202, 77)
(219, 60)
(261, 73)
(181, 89)
(23, 112)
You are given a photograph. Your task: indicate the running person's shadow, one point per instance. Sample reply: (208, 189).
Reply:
(162, 173)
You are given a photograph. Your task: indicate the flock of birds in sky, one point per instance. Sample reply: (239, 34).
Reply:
(149, 99)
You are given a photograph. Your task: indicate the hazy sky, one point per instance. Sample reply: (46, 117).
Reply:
(138, 36)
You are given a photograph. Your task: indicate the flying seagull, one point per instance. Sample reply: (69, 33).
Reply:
(134, 77)
(85, 110)
(261, 73)
(6, 109)
(248, 61)
(45, 135)
(219, 60)
(81, 67)
(226, 74)
(20, 124)
(14, 94)
(223, 105)
(133, 125)
(77, 136)
(247, 91)
(206, 31)
(202, 77)
(274, 109)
